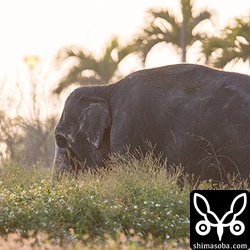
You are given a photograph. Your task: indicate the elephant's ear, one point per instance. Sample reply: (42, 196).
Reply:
(94, 120)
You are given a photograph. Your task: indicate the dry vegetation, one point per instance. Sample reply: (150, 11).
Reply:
(136, 205)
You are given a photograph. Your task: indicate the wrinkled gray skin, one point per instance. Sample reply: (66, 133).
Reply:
(197, 116)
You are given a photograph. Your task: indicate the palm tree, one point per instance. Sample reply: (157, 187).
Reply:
(88, 69)
(164, 27)
(232, 45)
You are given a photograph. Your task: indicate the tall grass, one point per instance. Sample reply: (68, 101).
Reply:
(138, 200)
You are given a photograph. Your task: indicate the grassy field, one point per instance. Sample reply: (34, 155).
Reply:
(136, 205)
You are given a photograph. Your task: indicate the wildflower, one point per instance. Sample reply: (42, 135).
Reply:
(139, 233)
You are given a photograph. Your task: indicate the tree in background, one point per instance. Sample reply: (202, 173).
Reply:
(86, 69)
(26, 120)
(9, 136)
(164, 27)
(232, 44)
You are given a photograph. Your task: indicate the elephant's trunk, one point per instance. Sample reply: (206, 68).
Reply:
(61, 162)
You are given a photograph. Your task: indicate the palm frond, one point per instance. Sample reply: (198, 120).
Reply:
(66, 53)
(125, 51)
(202, 16)
(164, 26)
(168, 19)
(102, 69)
(210, 45)
(71, 78)
(233, 44)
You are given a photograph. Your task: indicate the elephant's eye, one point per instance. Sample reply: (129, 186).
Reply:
(61, 141)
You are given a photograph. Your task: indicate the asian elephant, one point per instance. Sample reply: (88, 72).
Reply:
(195, 116)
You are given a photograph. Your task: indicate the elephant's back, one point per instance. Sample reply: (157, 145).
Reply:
(189, 77)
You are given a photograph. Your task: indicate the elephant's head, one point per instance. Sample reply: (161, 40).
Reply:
(82, 135)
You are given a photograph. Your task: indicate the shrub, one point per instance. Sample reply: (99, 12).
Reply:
(139, 197)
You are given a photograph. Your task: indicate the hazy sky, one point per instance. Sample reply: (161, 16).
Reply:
(41, 27)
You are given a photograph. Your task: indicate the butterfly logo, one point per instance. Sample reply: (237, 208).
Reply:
(229, 219)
